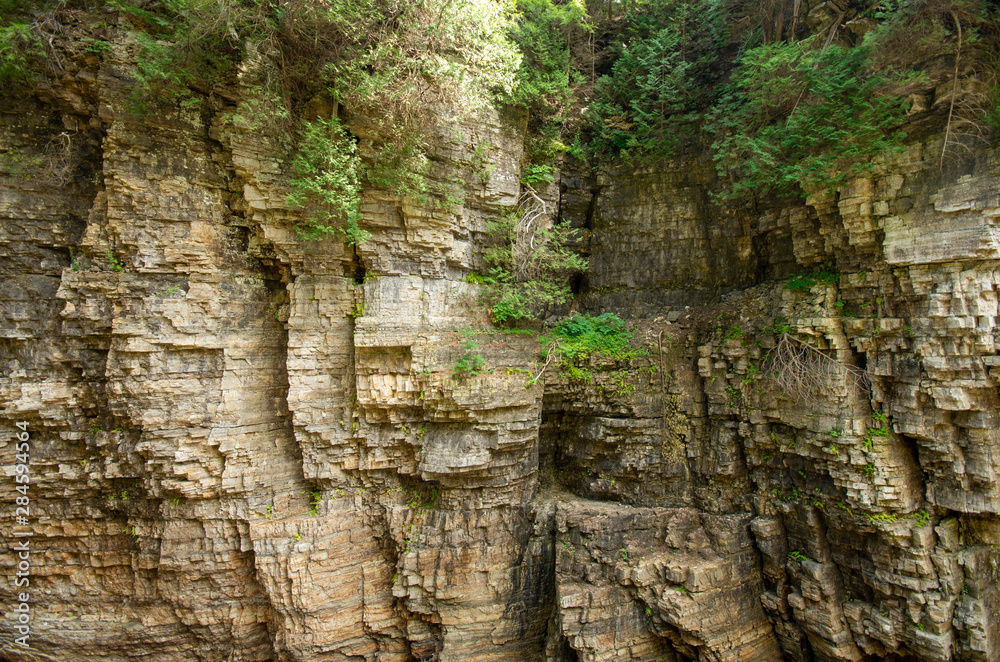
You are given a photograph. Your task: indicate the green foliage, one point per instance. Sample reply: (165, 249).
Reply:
(734, 332)
(113, 262)
(400, 167)
(469, 365)
(19, 43)
(183, 41)
(796, 555)
(881, 517)
(578, 337)
(538, 174)
(542, 34)
(805, 282)
(327, 181)
(22, 46)
(545, 33)
(476, 279)
(882, 430)
(798, 115)
(530, 264)
(779, 327)
(386, 59)
(660, 78)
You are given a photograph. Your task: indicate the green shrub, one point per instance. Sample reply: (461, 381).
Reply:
(538, 174)
(400, 167)
(327, 180)
(578, 337)
(19, 43)
(468, 366)
(531, 261)
(805, 282)
(542, 34)
(797, 115)
(663, 73)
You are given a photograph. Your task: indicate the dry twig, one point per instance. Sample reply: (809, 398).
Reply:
(804, 372)
(532, 211)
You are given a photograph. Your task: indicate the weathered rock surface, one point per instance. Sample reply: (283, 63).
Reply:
(245, 447)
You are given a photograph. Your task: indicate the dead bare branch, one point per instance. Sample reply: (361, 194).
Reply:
(532, 211)
(954, 89)
(805, 372)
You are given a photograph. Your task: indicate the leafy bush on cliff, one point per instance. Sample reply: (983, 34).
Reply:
(18, 43)
(581, 336)
(661, 76)
(21, 44)
(531, 260)
(576, 338)
(797, 114)
(388, 58)
(327, 181)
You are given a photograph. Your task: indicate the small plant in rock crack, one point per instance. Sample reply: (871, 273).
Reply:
(881, 517)
(77, 262)
(469, 366)
(317, 498)
(734, 332)
(735, 396)
(624, 554)
(113, 262)
(796, 555)
(872, 433)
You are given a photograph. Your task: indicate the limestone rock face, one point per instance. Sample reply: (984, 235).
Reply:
(246, 447)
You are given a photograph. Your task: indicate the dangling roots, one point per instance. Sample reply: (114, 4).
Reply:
(532, 211)
(803, 372)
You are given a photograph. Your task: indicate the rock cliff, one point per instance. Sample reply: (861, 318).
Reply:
(247, 447)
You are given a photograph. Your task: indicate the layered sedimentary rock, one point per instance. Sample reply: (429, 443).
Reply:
(249, 447)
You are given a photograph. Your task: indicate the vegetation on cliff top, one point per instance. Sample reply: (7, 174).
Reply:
(789, 98)
(788, 102)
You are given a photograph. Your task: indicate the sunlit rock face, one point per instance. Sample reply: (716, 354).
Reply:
(245, 447)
